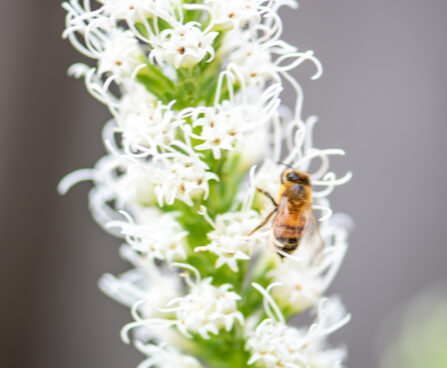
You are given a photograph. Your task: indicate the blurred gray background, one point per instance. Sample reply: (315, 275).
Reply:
(382, 98)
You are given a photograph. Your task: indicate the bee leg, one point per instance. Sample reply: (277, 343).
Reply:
(263, 222)
(268, 195)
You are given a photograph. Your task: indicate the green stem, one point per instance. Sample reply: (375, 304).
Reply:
(157, 83)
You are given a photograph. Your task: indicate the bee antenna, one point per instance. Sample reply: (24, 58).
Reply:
(284, 164)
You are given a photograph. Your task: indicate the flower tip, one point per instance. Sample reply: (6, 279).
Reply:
(124, 334)
(348, 318)
(63, 187)
(347, 177)
(78, 70)
(318, 73)
(72, 179)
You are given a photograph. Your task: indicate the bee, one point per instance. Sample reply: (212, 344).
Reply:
(294, 220)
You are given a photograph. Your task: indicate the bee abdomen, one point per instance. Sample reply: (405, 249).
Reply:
(287, 231)
(287, 245)
(289, 227)
(287, 242)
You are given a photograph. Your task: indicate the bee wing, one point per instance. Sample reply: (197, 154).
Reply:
(312, 241)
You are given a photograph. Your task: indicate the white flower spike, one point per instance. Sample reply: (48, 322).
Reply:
(197, 129)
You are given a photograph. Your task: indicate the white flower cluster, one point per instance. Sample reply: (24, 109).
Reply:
(303, 282)
(206, 309)
(274, 344)
(197, 125)
(229, 240)
(144, 282)
(203, 311)
(165, 356)
(156, 234)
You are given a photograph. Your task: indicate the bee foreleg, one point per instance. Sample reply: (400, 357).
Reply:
(268, 195)
(269, 216)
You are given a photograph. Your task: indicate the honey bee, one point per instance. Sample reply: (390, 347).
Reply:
(294, 220)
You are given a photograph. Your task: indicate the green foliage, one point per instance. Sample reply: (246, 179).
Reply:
(225, 351)
(157, 83)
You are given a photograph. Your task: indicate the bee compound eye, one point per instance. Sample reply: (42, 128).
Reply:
(293, 176)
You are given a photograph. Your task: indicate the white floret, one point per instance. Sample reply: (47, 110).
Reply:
(184, 178)
(229, 239)
(137, 10)
(121, 54)
(183, 46)
(273, 344)
(207, 309)
(165, 356)
(145, 283)
(153, 233)
(229, 125)
(145, 123)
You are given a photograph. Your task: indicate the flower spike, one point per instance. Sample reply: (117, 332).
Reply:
(210, 182)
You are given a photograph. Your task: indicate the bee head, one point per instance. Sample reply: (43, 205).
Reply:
(294, 176)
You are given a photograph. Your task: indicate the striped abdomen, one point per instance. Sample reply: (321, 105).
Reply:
(288, 225)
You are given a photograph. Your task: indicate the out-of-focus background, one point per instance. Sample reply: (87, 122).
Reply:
(382, 99)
